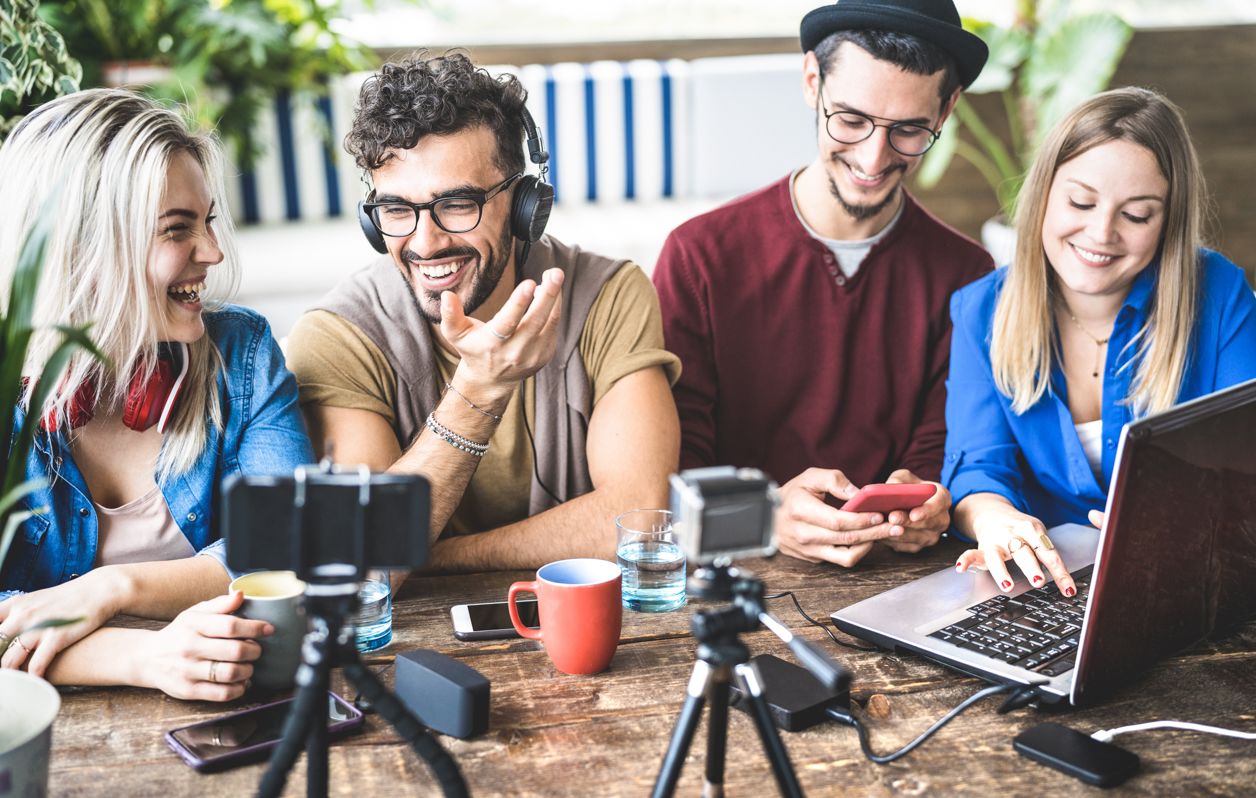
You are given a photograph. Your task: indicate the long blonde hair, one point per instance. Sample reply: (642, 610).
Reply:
(1023, 344)
(98, 160)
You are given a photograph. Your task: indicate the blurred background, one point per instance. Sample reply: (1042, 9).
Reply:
(653, 110)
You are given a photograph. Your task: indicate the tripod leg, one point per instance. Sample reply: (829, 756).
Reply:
(316, 767)
(391, 709)
(786, 779)
(682, 736)
(717, 732)
(308, 702)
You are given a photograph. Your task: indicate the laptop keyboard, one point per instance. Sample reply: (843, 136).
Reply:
(1037, 630)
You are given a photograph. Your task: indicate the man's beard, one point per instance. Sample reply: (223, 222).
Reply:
(862, 212)
(483, 281)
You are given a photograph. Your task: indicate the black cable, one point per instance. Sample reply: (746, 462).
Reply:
(814, 622)
(846, 717)
(523, 406)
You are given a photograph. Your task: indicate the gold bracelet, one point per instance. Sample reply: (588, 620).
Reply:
(449, 386)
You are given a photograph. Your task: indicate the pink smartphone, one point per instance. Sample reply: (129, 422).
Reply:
(885, 497)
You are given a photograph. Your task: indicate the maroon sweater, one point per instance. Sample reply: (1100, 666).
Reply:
(788, 364)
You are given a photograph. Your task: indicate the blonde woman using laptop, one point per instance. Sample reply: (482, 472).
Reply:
(132, 451)
(1110, 310)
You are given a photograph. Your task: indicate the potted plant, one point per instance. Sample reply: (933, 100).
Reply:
(28, 704)
(224, 59)
(34, 64)
(1042, 65)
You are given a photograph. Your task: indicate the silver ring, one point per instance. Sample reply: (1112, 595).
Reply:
(1022, 545)
(213, 666)
(18, 641)
(498, 335)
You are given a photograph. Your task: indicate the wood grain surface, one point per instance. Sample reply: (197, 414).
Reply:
(558, 735)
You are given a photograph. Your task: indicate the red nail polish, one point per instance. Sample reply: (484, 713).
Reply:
(1037, 580)
(1006, 585)
(958, 563)
(1070, 591)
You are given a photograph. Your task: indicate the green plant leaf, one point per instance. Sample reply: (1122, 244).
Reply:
(11, 524)
(938, 158)
(15, 494)
(1008, 50)
(51, 623)
(1071, 64)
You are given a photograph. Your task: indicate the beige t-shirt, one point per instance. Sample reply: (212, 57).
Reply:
(337, 365)
(141, 530)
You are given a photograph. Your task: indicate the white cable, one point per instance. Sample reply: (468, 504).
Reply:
(1107, 734)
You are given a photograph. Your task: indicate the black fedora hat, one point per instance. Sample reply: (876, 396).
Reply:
(935, 21)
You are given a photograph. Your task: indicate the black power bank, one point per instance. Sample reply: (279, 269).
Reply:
(796, 699)
(1079, 755)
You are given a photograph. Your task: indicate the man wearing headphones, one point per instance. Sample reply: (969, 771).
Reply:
(811, 316)
(524, 377)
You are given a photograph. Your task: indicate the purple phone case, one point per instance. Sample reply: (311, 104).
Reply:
(255, 753)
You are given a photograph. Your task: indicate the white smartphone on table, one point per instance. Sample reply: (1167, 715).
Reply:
(490, 620)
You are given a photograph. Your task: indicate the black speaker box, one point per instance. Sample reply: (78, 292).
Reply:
(446, 695)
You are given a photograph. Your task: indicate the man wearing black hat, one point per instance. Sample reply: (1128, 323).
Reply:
(811, 316)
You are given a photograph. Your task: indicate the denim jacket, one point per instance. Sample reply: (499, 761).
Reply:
(263, 433)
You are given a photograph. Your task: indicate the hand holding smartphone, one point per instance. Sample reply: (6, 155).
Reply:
(888, 497)
(249, 735)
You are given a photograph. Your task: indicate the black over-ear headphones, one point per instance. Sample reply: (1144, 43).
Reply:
(529, 211)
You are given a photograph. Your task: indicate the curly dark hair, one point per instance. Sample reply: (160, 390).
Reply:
(435, 95)
(909, 53)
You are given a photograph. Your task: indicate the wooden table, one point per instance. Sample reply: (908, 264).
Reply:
(558, 735)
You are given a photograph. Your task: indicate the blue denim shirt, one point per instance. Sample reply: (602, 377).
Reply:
(1035, 460)
(263, 433)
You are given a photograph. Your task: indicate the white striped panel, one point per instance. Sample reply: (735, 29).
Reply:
(748, 111)
(608, 119)
(647, 127)
(567, 143)
(682, 113)
(267, 167)
(309, 133)
(344, 97)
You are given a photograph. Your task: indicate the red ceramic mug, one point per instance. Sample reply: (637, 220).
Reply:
(580, 613)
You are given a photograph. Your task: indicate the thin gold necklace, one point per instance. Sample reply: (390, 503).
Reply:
(1100, 343)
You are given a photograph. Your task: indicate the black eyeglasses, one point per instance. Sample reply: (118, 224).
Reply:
(852, 127)
(456, 214)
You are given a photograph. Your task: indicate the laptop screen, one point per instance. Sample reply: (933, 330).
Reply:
(1177, 557)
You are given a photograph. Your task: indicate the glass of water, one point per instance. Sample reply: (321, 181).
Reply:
(373, 621)
(651, 561)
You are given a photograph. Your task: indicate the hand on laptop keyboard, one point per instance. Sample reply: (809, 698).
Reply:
(1005, 533)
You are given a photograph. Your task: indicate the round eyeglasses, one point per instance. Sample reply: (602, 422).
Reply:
(852, 127)
(460, 213)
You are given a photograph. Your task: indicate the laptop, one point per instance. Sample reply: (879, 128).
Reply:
(1174, 563)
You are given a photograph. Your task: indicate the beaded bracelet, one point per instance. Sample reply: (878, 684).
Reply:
(454, 439)
(449, 386)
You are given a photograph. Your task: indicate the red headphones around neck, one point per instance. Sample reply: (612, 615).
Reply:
(148, 402)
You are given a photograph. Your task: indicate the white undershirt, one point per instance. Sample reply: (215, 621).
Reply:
(1091, 436)
(850, 254)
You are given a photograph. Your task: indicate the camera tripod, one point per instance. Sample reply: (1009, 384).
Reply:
(329, 643)
(331, 596)
(722, 655)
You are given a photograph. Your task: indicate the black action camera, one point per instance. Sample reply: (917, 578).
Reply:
(321, 516)
(724, 512)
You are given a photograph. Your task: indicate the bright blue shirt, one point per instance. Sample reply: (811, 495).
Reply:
(1035, 459)
(263, 433)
